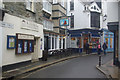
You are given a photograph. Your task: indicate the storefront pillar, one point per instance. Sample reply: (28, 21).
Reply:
(58, 41)
(62, 42)
(54, 41)
(82, 41)
(1, 46)
(51, 42)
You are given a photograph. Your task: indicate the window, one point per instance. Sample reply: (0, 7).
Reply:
(54, 1)
(24, 46)
(71, 5)
(62, 3)
(55, 42)
(30, 5)
(95, 20)
(52, 42)
(72, 22)
(60, 43)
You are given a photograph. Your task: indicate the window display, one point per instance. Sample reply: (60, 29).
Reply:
(19, 47)
(24, 45)
(94, 42)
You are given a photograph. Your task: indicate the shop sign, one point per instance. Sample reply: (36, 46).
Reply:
(29, 25)
(64, 22)
(6, 25)
(25, 37)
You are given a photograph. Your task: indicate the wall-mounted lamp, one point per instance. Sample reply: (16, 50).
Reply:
(105, 17)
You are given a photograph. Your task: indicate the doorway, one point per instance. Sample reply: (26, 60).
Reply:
(35, 56)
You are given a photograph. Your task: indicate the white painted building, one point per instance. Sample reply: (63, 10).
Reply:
(28, 32)
(89, 15)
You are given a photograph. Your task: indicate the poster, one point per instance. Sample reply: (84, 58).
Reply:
(19, 47)
(30, 46)
(25, 46)
(11, 40)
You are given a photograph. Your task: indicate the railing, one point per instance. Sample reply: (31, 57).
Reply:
(48, 25)
(47, 6)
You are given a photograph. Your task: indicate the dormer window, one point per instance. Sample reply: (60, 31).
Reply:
(94, 8)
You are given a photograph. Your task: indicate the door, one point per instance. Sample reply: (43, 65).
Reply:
(36, 50)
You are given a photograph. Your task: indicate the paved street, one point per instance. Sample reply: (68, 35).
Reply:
(82, 67)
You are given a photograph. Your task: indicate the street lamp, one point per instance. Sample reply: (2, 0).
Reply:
(105, 17)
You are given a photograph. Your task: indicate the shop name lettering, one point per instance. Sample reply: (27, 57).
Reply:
(29, 25)
(25, 37)
(7, 25)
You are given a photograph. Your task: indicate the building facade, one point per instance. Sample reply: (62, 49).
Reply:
(22, 32)
(113, 25)
(89, 16)
(59, 10)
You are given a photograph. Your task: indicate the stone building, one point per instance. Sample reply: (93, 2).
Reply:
(59, 10)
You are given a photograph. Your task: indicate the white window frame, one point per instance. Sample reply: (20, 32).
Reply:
(30, 5)
(54, 1)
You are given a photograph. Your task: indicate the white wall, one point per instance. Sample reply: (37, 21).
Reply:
(112, 11)
(82, 19)
(0, 46)
(9, 56)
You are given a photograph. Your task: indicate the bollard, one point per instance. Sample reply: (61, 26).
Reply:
(99, 60)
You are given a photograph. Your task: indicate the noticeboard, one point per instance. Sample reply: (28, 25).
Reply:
(64, 22)
(11, 42)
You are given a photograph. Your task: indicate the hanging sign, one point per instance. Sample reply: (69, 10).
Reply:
(64, 22)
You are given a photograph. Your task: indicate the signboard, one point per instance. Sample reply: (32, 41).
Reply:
(64, 22)
(11, 40)
(6, 25)
(25, 37)
(29, 25)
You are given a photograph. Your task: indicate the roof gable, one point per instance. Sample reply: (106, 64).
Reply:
(94, 8)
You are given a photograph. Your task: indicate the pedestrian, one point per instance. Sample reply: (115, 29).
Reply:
(87, 48)
(99, 49)
(104, 48)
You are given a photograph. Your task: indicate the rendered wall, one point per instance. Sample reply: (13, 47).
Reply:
(8, 55)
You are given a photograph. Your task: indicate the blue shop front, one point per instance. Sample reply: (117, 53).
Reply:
(108, 38)
(80, 37)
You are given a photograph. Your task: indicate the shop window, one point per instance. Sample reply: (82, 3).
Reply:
(60, 43)
(72, 38)
(106, 40)
(24, 46)
(52, 42)
(20, 47)
(111, 42)
(55, 43)
(79, 44)
(49, 42)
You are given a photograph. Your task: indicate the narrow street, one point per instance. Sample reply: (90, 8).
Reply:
(82, 67)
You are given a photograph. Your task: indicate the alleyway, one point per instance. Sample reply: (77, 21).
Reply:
(82, 67)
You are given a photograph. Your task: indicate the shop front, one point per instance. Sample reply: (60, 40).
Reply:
(108, 38)
(114, 27)
(23, 40)
(79, 38)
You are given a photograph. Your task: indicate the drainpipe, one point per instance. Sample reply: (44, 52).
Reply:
(119, 39)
